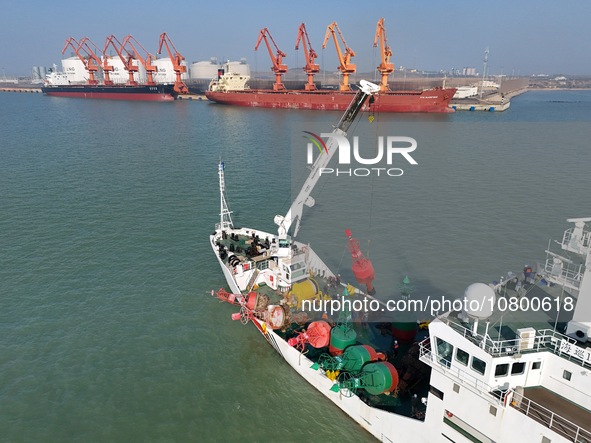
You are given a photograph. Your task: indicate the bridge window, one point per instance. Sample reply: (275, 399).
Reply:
(444, 351)
(478, 365)
(284, 243)
(517, 368)
(501, 370)
(462, 356)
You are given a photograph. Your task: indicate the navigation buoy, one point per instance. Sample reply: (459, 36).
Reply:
(362, 267)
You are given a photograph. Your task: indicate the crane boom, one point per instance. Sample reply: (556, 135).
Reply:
(91, 62)
(176, 59)
(385, 68)
(146, 62)
(311, 67)
(345, 66)
(278, 67)
(294, 214)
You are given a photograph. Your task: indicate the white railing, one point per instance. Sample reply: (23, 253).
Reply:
(461, 377)
(579, 245)
(545, 416)
(545, 340)
(564, 273)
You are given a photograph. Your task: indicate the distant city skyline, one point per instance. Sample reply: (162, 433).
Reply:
(526, 37)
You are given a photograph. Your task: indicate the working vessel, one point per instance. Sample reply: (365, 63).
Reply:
(497, 366)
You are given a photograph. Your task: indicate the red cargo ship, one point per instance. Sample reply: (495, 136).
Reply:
(230, 88)
(432, 100)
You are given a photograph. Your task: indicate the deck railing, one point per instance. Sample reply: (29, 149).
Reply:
(551, 420)
(544, 340)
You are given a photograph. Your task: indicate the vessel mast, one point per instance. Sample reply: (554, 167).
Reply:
(310, 55)
(294, 213)
(225, 213)
(385, 67)
(345, 65)
(278, 67)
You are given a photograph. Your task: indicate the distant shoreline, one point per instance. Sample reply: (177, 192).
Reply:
(560, 89)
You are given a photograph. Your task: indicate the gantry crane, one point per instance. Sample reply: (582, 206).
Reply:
(278, 67)
(128, 42)
(311, 68)
(91, 62)
(179, 85)
(345, 66)
(385, 67)
(127, 61)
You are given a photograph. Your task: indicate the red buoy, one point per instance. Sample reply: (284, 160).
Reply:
(362, 267)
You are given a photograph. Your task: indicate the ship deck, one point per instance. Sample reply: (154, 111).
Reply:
(413, 374)
(559, 414)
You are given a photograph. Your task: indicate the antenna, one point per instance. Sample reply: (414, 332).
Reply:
(486, 51)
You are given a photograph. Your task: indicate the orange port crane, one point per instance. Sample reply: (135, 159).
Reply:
(385, 67)
(127, 61)
(177, 59)
(85, 53)
(146, 61)
(311, 68)
(107, 68)
(278, 67)
(345, 66)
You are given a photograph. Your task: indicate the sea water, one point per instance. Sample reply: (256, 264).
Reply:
(108, 329)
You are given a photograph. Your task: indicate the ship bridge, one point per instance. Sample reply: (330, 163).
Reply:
(506, 369)
(509, 371)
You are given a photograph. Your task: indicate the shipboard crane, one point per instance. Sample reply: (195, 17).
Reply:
(294, 214)
(127, 61)
(278, 67)
(385, 68)
(146, 62)
(85, 53)
(311, 67)
(176, 59)
(345, 65)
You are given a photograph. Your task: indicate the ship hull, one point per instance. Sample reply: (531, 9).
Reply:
(432, 100)
(158, 93)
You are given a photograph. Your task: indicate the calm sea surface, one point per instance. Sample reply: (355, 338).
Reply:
(107, 329)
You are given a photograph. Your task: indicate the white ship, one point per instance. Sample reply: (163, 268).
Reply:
(501, 372)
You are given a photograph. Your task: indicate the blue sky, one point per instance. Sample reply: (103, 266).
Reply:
(525, 36)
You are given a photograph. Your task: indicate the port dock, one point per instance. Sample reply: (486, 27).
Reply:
(492, 101)
(17, 89)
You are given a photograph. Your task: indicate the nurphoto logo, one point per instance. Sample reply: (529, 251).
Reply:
(387, 148)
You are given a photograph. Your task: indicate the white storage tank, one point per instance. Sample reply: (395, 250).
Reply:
(205, 70)
(236, 67)
(36, 75)
(119, 74)
(165, 73)
(74, 70)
